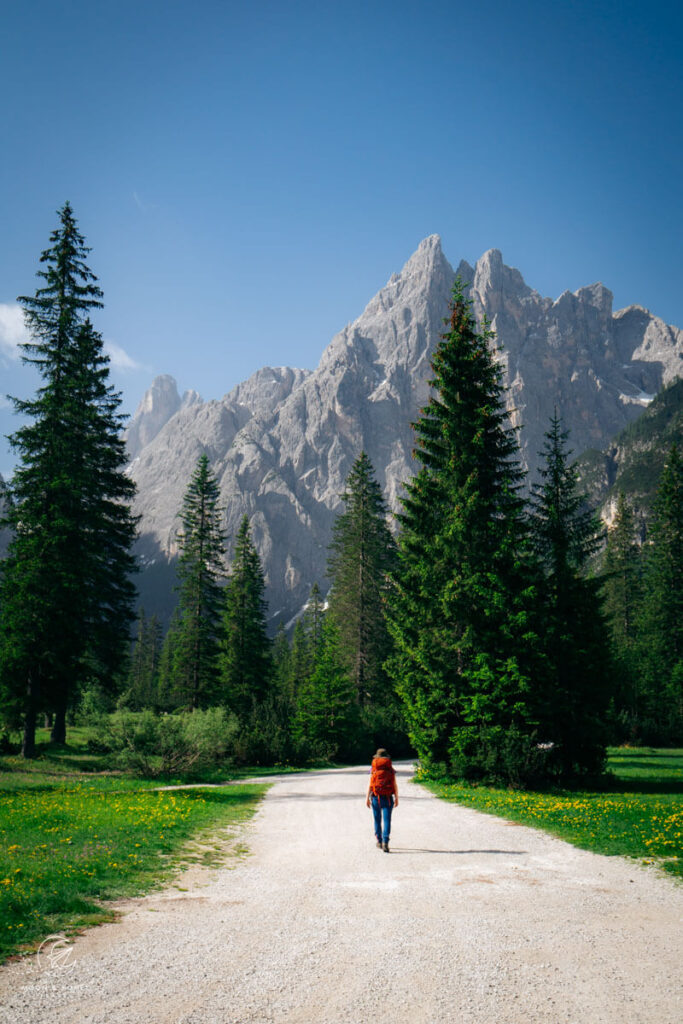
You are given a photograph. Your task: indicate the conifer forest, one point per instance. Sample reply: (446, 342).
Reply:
(493, 627)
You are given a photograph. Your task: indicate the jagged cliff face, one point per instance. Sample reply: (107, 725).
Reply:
(598, 368)
(282, 443)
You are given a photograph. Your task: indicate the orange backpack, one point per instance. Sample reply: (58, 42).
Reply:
(382, 777)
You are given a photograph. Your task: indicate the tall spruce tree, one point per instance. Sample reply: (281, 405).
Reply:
(573, 707)
(622, 570)
(66, 591)
(661, 626)
(196, 629)
(460, 610)
(246, 657)
(362, 554)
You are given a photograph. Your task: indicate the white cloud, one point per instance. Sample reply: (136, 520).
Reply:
(119, 358)
(13, 333)
(12, 329)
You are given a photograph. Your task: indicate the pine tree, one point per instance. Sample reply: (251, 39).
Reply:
(661, 627)
(246, 657)
(326, 724)
(313, 621)
(282, 664)
(66, 591)
(622, 572)
(460, 610)
(301, 661)
(362, 554)
(169, 699)
(566, 533)
(197, 628)
(306, 640)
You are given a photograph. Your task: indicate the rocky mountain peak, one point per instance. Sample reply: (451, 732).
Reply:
(497, 288)
(598, 296)
(423, 273)
(393, 328)
(190, 397)
(427, 254)
(159, 403)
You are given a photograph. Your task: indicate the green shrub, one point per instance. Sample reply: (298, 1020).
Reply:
(264, 738)
(93, 706)
(149, 744)
(197, 739)
(501, 757)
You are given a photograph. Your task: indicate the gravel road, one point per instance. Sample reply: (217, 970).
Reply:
(469, 919)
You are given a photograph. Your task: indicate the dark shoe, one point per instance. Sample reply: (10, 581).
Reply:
(385, 847)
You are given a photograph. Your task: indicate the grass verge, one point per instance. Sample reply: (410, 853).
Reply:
(71, 840)
(638, 814)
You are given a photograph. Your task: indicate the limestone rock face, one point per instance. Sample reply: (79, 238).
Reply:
(159, 404)
(283, 442)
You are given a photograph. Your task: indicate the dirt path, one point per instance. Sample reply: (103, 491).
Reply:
(468, 920)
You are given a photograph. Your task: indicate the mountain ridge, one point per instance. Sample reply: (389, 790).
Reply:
(282, 442)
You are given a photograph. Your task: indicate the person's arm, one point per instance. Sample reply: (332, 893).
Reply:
(367, 798)
(395, 791)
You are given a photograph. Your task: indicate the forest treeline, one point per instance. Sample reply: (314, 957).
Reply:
(497, 634)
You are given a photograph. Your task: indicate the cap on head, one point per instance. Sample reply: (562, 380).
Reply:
(381, 752)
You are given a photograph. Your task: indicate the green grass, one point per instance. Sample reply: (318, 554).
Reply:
(73, 838)
(638, 814)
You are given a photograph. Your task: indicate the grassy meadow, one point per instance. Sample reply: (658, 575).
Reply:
(639, 813)
(73, 837)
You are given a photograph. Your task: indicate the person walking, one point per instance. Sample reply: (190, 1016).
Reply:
(382, 796)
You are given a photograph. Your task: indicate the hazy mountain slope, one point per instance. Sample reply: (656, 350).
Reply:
(633, 461)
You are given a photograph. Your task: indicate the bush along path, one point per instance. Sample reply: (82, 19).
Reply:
(476, 919)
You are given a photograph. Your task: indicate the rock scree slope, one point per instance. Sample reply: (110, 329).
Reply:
(469, 919)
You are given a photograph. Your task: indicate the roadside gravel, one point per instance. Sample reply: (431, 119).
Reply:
(469, 919)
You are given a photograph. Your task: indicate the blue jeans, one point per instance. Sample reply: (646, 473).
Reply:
(381, 808)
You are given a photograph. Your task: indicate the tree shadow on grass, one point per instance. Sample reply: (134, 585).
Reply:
(657, 785)
(644, 771)
(218, 795)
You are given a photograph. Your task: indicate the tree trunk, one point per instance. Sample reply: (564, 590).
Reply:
(28, 744)
(58, 734)
(47, 723)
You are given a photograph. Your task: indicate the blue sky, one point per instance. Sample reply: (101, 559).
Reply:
(249, 174)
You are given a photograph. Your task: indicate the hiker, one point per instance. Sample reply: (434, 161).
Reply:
(382, 796)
